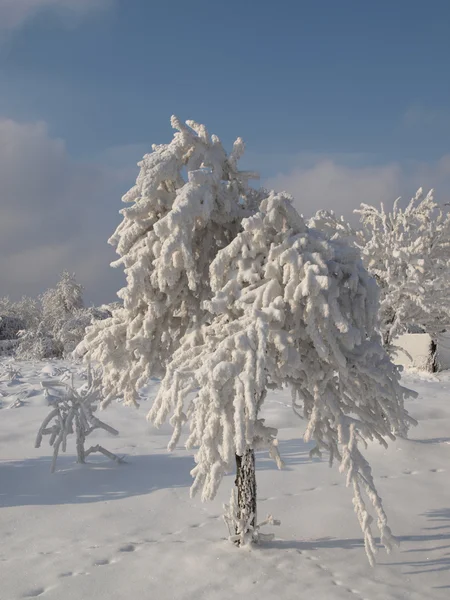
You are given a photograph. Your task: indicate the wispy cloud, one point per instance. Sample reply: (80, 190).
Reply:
(14, 13)
(58, 213)
(421, 116)
(331, 185)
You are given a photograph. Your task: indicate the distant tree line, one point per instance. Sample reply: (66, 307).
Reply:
(49, 326)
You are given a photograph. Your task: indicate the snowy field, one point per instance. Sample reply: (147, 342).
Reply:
(107, 531)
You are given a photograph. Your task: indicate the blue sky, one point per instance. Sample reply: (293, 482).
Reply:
(341, 101)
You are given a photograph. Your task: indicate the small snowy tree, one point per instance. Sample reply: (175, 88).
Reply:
(230, 293)
(60, 303)
(408, 253)
(60, 323)
(73, 412)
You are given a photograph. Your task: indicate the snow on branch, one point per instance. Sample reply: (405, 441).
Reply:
(231, 293)
(408, 252)
(290, 306)
(188, 202)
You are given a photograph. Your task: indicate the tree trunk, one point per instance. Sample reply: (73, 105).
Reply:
(246, 488)
(433, 363)
(81, 438)
(386, 337)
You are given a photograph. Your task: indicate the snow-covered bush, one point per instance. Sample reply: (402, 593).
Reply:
(73, 412)
(60, 303)
(50, 326)
(10, 372)
(38, 344)
(73, 330)
(6, 306)
(408, 253)
(16, 316)
(10, 327)
(62, 323)
(8, 347)
(230, 293)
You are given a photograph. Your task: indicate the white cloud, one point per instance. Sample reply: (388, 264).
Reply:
(328, 184)
(14, 13)
(55, 214)
(331, 186)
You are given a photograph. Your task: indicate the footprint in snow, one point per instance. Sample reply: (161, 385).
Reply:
(127, 548)
(34, 593)
(101, 562)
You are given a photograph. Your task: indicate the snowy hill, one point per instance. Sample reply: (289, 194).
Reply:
(107, 531)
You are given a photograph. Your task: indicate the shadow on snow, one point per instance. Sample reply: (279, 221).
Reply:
(415, 567)
(437, 440)
(293, 452)
(29, 482)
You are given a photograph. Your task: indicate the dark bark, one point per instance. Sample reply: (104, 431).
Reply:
(81, 438)
(433, 363)
(246, 487)
(387, 340)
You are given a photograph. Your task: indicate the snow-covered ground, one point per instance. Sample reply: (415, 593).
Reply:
(107, 531)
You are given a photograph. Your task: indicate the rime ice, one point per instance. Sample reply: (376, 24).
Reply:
(229, 293)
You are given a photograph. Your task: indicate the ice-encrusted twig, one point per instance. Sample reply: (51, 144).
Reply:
(72, 412)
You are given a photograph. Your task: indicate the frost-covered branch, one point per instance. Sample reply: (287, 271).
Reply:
(231, 293)
(73, 412)
(408, 253)
(291, 305)
(169, 235)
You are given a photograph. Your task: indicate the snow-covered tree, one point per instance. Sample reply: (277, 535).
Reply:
(230, 293)
(73, 330)
(10, 327)
(408, 253)
(27, 311)
(290, 307)
(60, 324)
(60, 303)
(167, 240)
(50, 326)
(73, 412)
